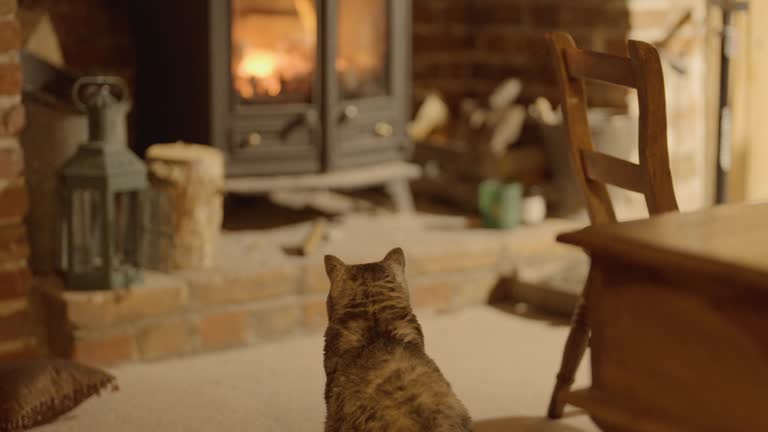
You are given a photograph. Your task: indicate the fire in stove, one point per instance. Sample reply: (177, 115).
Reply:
(274, 45)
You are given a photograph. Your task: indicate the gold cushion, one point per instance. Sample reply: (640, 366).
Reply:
(37, 392)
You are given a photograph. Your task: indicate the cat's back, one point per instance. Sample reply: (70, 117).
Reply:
(391, 388)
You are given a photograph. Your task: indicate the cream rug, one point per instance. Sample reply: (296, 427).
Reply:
(501, 365)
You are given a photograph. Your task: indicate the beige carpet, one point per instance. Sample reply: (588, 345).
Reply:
(501, 366)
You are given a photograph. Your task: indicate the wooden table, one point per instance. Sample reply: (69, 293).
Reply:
(679, 317)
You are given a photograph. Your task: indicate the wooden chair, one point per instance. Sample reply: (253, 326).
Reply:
(593, 170)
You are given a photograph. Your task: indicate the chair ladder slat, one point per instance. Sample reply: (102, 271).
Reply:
(590, 65)
(612, 170)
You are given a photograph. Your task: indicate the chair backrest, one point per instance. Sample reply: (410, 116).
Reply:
(642, 71)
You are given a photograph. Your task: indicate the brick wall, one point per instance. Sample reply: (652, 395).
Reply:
(467, 47)
(17, 335)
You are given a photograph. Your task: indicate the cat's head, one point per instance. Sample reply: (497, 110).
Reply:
(378, 281)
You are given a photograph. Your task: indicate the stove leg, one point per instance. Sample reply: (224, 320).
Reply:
(400, 192)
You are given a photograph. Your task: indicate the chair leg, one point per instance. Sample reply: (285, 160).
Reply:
(575, 346)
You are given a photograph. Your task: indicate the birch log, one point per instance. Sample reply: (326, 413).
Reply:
(186, 206)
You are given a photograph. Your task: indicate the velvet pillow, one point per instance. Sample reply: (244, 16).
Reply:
(37, 392)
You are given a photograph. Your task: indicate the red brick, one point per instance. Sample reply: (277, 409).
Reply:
(11, 159)
(545, 16)
(159, 295)
(454, 11)
(13, 242)
(220, 288)
(443, 70)
(14, 201)
(10, 36)
(15, 280)
(315, 281)
(19, 349)
(498, 71)
(104, 349)
(578, 16)
(12, 120)
(16, 323)
(524, 45)
(224, 330)
(495, 12)
(445, 261)
(10, 79)
(277, 320)
(431, 295)
(315, 313)
(164, 339)
(441, 42)
(13, 232)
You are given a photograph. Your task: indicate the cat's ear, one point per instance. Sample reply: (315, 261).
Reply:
(333, 266)
(395, 258)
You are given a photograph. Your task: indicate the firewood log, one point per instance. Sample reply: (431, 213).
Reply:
(505, 94)
(542, 111)
(432, 114)
(508, 129)
(186, 206)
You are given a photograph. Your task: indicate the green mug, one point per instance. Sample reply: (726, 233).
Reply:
(500, 204)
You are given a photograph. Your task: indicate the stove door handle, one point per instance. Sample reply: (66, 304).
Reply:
(309, 118)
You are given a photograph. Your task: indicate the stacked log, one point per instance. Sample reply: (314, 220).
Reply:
(185, 206)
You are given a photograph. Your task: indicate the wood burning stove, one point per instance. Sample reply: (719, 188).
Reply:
(281, 86)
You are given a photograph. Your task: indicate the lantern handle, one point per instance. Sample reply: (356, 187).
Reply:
(109, 81)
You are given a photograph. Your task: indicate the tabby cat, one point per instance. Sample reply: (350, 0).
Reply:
(378, 377)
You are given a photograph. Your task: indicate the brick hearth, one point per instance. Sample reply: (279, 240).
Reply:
(256, 293)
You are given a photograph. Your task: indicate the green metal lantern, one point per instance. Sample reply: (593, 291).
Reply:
(103, 187)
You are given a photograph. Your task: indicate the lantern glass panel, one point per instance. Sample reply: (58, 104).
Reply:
(87, 230)
(126, 229)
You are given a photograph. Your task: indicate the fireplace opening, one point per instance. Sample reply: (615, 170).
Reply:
(281, 86)
(274, 46)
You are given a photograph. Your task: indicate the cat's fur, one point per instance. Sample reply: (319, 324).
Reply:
(378, 377)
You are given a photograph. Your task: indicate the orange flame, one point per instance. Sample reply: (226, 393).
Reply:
(262, 67)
